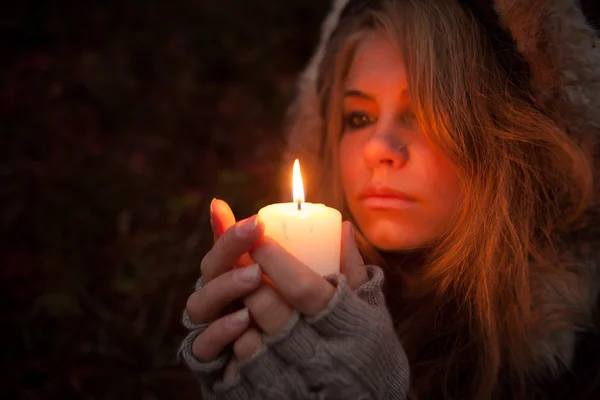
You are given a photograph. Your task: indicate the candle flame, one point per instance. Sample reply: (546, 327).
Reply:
(298, 187)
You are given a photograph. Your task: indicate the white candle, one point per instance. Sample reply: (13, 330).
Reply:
(310, 232)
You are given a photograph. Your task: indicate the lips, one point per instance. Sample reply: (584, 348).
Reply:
(385, 198)
(385, 192)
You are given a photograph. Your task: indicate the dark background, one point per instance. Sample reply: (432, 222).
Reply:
(119, 122)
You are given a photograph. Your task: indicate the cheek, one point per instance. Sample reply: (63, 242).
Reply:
(350, 155)
(445, 185)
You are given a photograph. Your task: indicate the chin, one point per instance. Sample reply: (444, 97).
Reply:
(393, 237)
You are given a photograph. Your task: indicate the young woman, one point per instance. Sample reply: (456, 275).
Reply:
(457, 137)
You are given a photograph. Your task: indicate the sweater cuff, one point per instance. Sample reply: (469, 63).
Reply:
(263, 377)
(295, 342)
(347, 310)
(197, 366)
(185, 319)
(344, 315)
(372, 290)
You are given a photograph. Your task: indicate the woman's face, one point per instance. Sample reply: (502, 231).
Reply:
(401, 190)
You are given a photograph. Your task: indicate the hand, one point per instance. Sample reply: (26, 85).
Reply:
(228, 274)
(355, 319)
(269, 309)
(297, 287)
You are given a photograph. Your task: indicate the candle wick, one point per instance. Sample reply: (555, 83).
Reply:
(299, 205)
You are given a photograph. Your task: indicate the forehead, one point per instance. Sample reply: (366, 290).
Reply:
(375, 59)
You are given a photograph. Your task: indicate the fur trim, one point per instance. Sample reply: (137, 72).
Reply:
(563, 53)
(562, 50)
(304, 117)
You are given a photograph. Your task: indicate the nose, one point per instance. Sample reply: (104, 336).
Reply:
(385, 150)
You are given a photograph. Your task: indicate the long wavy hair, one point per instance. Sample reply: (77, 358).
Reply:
(465, 314)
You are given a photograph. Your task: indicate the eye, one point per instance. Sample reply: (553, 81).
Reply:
(358, 120)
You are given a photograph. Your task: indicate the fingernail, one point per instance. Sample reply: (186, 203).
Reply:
(239, 317)
(248, 274)
(212, 206)
(248, 226)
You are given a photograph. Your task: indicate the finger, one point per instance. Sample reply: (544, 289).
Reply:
(221, 217)
(268, 309)
(247, 345)
(210, 343)
(231, 371)
(236, 241)
(352, 264)
(209, 301)
(304, 289)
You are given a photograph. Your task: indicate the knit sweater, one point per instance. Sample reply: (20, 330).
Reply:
(348, 351)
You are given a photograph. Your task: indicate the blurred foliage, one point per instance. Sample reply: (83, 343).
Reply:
(121, 120)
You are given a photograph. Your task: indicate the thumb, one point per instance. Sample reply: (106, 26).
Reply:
(352, 264)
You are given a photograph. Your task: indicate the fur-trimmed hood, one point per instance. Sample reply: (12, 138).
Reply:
(562, 50)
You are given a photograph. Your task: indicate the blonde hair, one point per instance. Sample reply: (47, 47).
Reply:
(524, 180)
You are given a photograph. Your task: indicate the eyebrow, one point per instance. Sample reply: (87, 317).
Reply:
(358, 93)
(363, 95)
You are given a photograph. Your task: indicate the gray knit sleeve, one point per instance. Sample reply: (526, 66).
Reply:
(349, 351)
(207, 373)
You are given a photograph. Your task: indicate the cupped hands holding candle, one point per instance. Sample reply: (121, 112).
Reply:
(287, 319)
(297, 287)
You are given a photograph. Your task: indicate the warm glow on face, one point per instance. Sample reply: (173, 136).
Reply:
(379, 114)
(298, 187)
